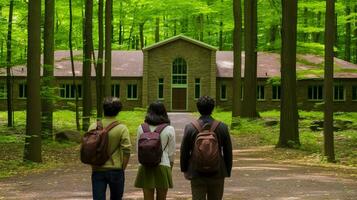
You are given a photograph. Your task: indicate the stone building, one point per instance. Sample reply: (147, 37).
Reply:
(179, 70)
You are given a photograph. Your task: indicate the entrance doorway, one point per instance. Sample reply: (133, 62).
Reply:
(179, 98)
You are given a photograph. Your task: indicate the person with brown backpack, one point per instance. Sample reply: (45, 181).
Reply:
(156, 150)
(106, 147)
(206, 153)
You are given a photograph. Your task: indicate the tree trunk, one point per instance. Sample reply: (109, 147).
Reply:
(250, 73)
(32, 150)
(108, 49)
(87, 64)
(72, 63)
(355, 33)
(99, 68)
(201, 27)
(348, 33)
(317, 35)
(306, 17)
(9, 81)
(121, 23)
(237, 52)
(221, 29)
(157, 30)
(48, 76)
(141, 32)
(328, 81)
(289, 132)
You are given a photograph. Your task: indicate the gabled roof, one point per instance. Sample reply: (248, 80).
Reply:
(180, 37)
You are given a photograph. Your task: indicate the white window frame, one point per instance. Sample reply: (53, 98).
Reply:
(220, 93)
(343, 90)
(131, 87)
(277, 89)
(64, 89)
(315, 87)
(113, 90)
(3, 91)
(199, 86)
(23, 91)
(260, 88)
(354, 87)
(161, 82)
(173, 75)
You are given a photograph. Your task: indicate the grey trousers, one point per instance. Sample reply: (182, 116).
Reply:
(204, 188)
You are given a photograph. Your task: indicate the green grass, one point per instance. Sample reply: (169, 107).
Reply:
(251, 133)
(54, 154)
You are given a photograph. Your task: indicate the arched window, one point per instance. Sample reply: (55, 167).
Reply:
(179, 72)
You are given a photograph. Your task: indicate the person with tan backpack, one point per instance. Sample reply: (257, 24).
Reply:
(206, 153)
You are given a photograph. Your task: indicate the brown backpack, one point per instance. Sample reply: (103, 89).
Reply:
(206, 154)
(94, 148)
(149, 146)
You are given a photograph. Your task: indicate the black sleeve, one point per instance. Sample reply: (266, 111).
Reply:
(227, 149)
(185, 149)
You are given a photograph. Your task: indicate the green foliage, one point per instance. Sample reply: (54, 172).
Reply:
(250, 133)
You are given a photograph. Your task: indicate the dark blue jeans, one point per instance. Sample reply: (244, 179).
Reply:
(114, 178)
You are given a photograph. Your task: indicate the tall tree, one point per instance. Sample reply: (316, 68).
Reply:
(72, 64)
(348, 32)
(289, 132)
(250, 71)
(48, 66)
(87, 64)
(221, 27)
(108, 48)
(328, 81)
(99, 68)
(237, 52)
(32, 150)
(355, 34)
(157, 30)
(8, 67)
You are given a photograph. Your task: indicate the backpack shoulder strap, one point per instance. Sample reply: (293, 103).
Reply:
(99, 125)
(197, 125)
(214, 125)
(110, 126)
(145, 127)
(160, 128)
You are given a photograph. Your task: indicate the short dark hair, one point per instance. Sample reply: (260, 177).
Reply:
(111, 106)
(156, 114)
(205, 105)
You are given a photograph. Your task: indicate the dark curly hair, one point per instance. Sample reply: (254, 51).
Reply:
(156, 114)
(111, 106)
(205, 105)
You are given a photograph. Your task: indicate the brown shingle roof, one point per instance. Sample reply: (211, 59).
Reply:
(308, 66)
(130, 64)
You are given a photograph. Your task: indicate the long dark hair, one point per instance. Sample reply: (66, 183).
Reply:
(156, 114)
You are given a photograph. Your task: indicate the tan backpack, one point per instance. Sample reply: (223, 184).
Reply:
(206, 154)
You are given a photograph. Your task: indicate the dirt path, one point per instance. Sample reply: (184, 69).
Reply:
(252, 178)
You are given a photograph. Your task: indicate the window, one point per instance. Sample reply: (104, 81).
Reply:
(23, 90)
(354, 93)
(3, 94)
(116, 90)
(338, 93)
(179, 72)
(68, 91)
(197, 88)
(276, 91)
(132, 92)
(161, 89)
(315, 92)
(260, 92)
(223, 92)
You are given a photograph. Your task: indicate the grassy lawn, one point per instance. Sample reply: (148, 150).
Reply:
(255, 133)
(54, 154)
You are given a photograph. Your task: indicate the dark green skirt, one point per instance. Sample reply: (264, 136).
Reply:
(156, 177)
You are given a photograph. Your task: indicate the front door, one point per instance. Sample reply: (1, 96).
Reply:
(179, 98)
